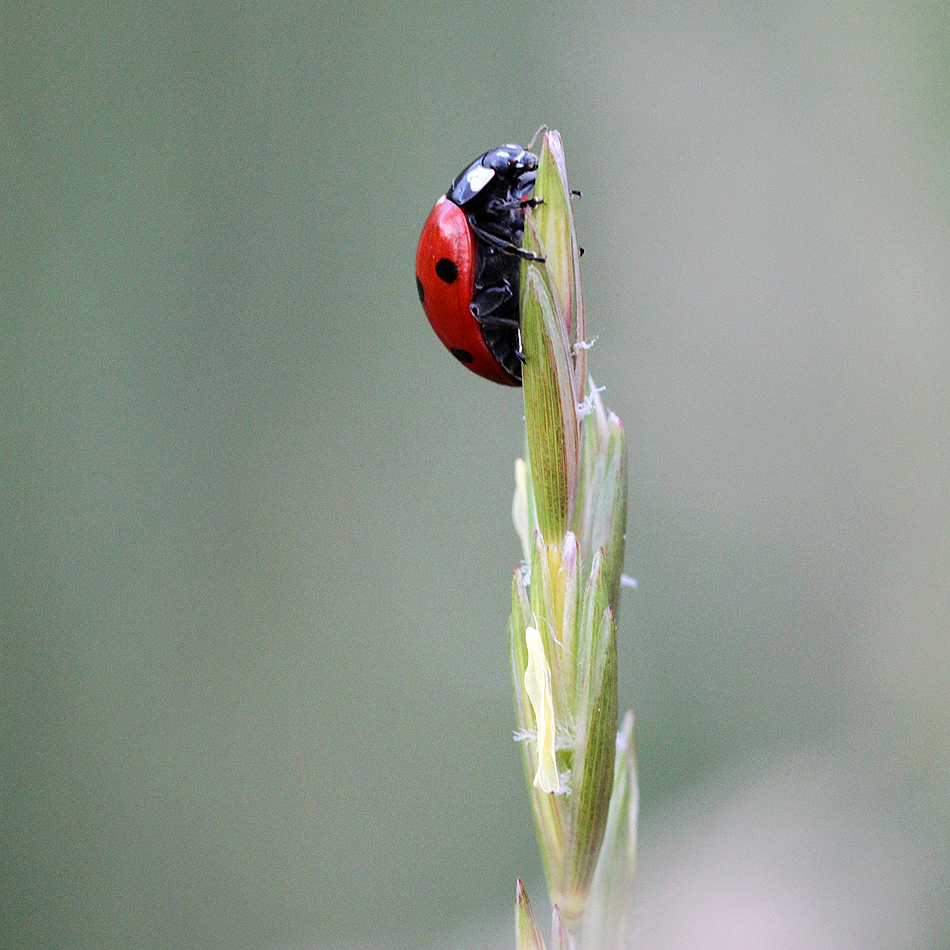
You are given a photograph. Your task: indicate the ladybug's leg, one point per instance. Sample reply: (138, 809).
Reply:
(504, 324)
(496, 320)
(485, 303)
(496, 310)
(508, 328)
(501, 243)
(512, 206)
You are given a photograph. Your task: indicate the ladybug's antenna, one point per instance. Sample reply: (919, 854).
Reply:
(536, 136)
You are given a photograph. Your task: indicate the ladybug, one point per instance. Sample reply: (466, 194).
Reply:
(468, 262)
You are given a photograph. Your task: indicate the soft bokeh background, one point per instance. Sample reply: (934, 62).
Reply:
(255, 534)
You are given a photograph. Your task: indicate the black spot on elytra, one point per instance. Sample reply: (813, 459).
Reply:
(463, 356)
(446, 270)
(419, 290)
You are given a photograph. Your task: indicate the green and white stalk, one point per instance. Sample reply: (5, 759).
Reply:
(570, 513)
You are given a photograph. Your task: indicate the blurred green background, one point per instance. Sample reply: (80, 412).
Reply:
(255, 532)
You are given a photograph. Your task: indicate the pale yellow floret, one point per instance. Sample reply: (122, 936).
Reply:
(537, 684)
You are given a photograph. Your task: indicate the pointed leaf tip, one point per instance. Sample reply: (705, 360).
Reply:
(527, 933)
(561, 935)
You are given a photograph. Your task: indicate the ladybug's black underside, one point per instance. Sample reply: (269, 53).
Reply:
(492, 192)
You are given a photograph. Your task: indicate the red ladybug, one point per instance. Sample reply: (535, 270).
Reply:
(467, 264)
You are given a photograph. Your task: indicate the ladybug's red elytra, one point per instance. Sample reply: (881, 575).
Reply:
(468, 267)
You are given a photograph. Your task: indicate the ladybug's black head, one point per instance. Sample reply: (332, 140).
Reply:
(497, 173)
(509, 158)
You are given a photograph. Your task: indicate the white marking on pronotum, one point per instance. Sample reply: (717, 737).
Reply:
(537, 684)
